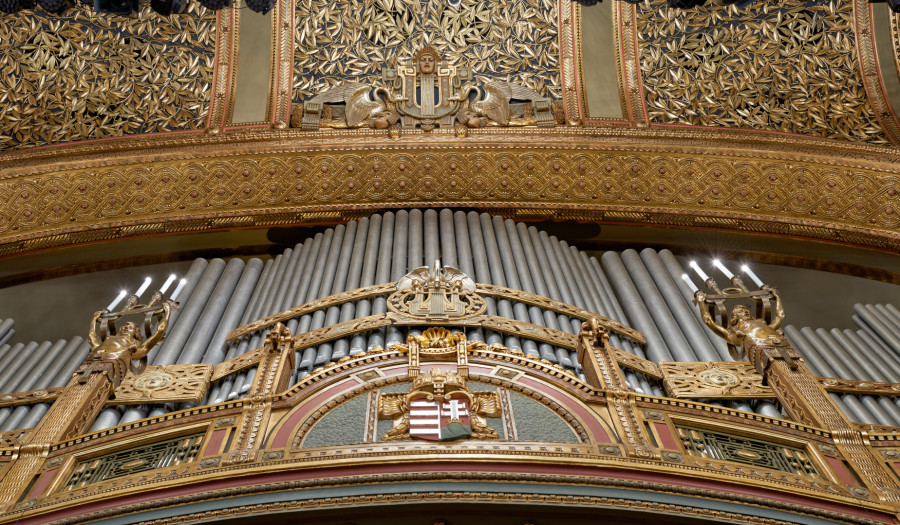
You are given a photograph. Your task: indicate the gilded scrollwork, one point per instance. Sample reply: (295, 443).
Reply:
(711, 380)
(347, 41)
(82, 75)
(165, 384)
(789, 67)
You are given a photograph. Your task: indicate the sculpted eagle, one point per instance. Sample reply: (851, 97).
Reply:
(360, 106)
(495, 100)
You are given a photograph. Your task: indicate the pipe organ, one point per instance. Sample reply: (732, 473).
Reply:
(267, 362)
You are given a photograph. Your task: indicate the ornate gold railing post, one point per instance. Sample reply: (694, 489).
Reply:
(796, 388)
(602, 371)
(273, 375)
(96, 379)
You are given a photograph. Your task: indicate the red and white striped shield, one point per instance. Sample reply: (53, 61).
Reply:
(444, 421)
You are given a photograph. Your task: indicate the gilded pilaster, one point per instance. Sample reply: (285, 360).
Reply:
(602, 371)
(272, 376)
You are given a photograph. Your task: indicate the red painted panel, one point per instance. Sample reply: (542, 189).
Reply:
(666, 439)
(42, 483)
(838, 467)
(215, 441)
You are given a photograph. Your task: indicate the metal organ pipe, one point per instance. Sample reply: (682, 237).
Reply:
(865, 368)
(29, 372)
(482, 274)
(681, 311)
(654, 302)
(18, 359)
(306, 359)
(270, 304)
(530, 258)
(465, 262)
(325, 352)
(886, 325)
(817, 365)
(238, 347)
(209, 319)
(656, 348)
(367, 278)
(6, 331)
(383, 273)
(393, 335)
(237, 304)
(348, 310)
(675, 270)
(432, 239)
(511, 278)
(448, 239)
(191, 278)
(190, 314)
(875, 324)
(70, 363)
(844, 367)
(13, 354)
(504, 307)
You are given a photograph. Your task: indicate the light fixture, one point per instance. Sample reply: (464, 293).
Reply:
(52, 6)
(260, 6)
(686, 4)
(215, 5)
(116, 7)
(169, 7)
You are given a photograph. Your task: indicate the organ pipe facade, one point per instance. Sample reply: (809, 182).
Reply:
(423, 353)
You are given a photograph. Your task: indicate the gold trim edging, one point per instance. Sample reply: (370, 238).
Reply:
(474, 477)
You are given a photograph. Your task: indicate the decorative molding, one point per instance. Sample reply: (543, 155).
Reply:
(164, 384)
(870, 72)
(857, 387)
(714, 380)
(224, 82)
(44, 395)
(840, 199)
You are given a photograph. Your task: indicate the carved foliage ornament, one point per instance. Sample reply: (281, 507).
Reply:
(426, 93)
(786, 66)
(80, 75)
(341, 41)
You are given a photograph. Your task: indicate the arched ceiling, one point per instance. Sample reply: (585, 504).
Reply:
(770, 118)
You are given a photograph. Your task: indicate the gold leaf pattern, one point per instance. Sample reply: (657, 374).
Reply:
(82, 75)
(352, 41)
(787, 66)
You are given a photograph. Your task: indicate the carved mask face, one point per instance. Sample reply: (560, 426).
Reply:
(426, 64)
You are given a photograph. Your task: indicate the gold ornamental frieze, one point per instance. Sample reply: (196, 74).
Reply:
(852, 196)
